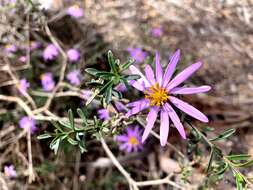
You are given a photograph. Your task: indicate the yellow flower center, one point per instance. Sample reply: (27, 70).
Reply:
(156, 95)
(133, 141)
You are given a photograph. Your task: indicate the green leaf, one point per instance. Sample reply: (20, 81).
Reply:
(240, 183)
(44, 136)
(127, 64)
(238, 157)
(92, 71)
(72, 141)
(111, 61)
(245, 164)
(132, 77)
(65, 124)
(54, 145)
(212, 155)
(71, 119)
(222, 169)
(57, 126)
(108, 95)
(82, 116)
(106, 86)
(224, 135)
(105, 75)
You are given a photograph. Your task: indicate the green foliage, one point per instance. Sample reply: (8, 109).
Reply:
(68, 131)
(106, 81)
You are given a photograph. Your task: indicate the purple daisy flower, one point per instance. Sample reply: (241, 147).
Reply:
(75, 11)
(131, 141)
(47, 81)
(157, 32)
(103, 114)
(74, 77)
(10, 48)
(23, 85)
(137, 54)
(28, 123)
(50, 52)
(73, 55)
(10, 172)
(159, 89)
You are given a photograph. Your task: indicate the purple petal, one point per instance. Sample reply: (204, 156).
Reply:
(138, 86)
(129, 148)
(151, 118)
(171, 68)
(159, 70)
(122, 138)
(150, 74)
(123, 146)
(136, 103)
(192, 90)
(175, 119)
(187, 108)
(137, 108)
(136, 71)
(164, 128)
(182, 76)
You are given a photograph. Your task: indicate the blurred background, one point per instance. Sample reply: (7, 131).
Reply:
(217, 32)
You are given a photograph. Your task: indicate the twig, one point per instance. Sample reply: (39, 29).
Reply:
(132, 183)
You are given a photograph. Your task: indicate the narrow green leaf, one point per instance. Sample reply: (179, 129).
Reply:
(212, 155)
(106, 86)
(224, 135)
(44, 136)
(111, 61)
(72, 141)
(108, 95)
(238, 157)
(71, 119)
(245, 164)
(127, 64)
(54, 145)
(92, 71)
(65, 124)
(82, 116)
(57, 126)
(131, 77)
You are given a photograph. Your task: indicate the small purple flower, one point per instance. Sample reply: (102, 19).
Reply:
(50, 52)
(104, 114)
(159, 90)
(10, 172)
(10, 48)
(34, 45)
(157, 32)
(131, 141)
(47, 81)
(28, 123)
(23, 85)
(137, 54)
(75, 11)
(73, 55)
(22, 59)
(74, 77)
